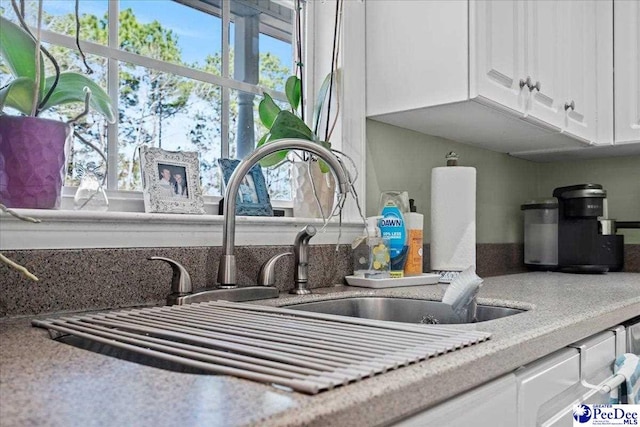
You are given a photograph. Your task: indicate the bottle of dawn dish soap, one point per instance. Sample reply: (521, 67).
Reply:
(393, 206)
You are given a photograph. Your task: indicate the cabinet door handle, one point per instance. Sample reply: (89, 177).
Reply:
(571, 106)
(536, 86)
(524, 83)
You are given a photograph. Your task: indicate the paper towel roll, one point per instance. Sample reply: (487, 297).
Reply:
(453, 218)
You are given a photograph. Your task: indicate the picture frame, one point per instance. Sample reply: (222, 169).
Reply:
(171, 181)
(253, 197)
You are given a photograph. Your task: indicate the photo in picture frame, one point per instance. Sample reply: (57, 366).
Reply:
(253, 197)
(171, 181)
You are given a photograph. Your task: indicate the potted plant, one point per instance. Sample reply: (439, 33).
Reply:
(33, 149)
(314, 188)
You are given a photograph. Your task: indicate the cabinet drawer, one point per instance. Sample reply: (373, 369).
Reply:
(490, 405)
(550, 387)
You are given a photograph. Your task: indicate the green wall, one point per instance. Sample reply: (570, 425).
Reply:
(400, 159)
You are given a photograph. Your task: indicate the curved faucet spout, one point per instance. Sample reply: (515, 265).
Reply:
(227, 267)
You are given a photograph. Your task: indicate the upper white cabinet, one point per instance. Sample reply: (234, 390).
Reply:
(543, 65)
(627, 71)
(579, 80)
(512, 76)
(519, 62)
(498, 57)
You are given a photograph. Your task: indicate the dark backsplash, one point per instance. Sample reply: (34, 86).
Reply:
(96, 279)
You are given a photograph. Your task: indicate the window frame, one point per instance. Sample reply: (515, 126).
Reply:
(65, 229)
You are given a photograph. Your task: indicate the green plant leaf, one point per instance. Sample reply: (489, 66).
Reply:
(288, 125)
(70, 88)
(18, 50)
(319, 103)
(293, 90)
(268, 110)
(18, 94)
(263, 140)
(271, 159)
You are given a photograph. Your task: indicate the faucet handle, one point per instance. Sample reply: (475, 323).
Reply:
(180, 281)
(267, 276)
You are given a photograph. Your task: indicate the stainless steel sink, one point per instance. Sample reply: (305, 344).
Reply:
(400, 310)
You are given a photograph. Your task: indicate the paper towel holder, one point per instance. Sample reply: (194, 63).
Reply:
(452, 158)
(444, 264)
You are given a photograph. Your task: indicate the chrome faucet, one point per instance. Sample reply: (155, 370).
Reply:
(181, 287)
(227, 266)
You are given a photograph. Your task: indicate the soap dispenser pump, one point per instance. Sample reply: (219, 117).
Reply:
(371, 257)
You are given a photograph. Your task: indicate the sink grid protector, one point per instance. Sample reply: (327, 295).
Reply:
(302, 351)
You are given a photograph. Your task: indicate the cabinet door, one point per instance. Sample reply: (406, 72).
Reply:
(578, 67)
(416, 54)
(542, 62)
(496, 54)
(490, 405)
(626, 26)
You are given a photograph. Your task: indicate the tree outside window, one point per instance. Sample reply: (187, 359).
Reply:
(161, 101)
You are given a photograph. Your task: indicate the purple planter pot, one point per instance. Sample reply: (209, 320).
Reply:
(32, 161)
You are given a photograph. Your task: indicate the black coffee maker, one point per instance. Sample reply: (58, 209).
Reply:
(584, 245)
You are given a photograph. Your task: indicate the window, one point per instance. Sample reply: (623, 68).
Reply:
(66, 229)
(185, 75)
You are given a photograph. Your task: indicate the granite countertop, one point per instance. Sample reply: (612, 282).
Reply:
(44, 382)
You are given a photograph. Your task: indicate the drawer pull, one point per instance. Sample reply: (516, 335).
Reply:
(611, 383)
(607, 385)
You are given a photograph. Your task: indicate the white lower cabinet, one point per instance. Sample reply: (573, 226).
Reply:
(549, 388)
(490, 405)
(542, 393)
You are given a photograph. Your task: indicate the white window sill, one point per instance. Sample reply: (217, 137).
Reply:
(68, 229)
(132, 201)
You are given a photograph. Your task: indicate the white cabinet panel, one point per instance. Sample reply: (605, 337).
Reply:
(627, 71)
(497, 59)
(542, 61)
(542, 381)
(578, 61)
(416, 56)
(490, 405)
